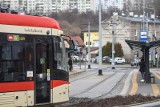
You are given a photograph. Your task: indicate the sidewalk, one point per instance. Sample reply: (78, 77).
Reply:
(77, 69)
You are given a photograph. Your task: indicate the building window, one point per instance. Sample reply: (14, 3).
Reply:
(88, 43)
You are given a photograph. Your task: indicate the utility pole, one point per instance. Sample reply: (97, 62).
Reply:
(113, 51)
(154, 38)
(100, 41)
(89, 54)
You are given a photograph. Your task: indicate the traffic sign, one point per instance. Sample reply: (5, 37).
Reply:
(143, 35)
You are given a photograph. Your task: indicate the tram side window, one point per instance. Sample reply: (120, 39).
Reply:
(29, 61)
(12, 62)
(57, 53)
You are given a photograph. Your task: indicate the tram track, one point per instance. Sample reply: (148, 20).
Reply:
(93, 86)
(88, 100)
(114, 88)
(83, 77)
(91, 74)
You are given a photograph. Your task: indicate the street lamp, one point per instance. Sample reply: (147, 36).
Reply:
(114, 18)
(100, 41)
(113, 51)
(89, 34)
(89, 54)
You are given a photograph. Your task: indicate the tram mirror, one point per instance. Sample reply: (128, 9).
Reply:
(66, 44)
(73, 45)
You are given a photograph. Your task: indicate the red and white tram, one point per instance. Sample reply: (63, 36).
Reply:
(33, 64)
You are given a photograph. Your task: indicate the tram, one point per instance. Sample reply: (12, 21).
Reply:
(33, 64)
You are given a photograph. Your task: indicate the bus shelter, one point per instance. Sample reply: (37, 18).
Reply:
(144, 46)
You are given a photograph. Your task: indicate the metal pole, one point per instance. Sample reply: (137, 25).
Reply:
(85, 61)
(154, 22)
(100, 41)
(143, 12)
(89, 54)
(80, 57)
(147, 72)
(113, 51)
(154, 38)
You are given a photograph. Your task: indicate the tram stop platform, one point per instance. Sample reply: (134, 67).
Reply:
(138, 86)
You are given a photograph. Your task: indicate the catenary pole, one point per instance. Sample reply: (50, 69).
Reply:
(100, 41)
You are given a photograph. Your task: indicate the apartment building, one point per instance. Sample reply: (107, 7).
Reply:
(48, 6)
(137, 5)
(108, 4)
(80, 5)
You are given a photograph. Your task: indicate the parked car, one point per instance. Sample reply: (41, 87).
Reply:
(118, 60)
(75, 58)
(106, 59)
(135, 62)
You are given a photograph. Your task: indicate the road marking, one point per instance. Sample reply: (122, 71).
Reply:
(126, 85)
(155, 74)
(155, 86)
(134, 83)
(155, 89)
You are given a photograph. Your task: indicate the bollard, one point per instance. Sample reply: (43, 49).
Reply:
(100, 72)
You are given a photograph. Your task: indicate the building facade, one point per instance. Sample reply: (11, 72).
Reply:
(129, 28)
(94, 40)
(137, 5)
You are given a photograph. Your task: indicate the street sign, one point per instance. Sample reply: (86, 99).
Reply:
(143, 35)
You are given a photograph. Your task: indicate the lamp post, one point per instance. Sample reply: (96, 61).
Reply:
(89, 34)
(100, 41)
(114, 18)
(89, 54)
(113, 51)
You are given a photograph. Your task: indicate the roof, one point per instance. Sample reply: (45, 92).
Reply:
(26, 20)
(92, 29)
(142, 44)
(138, 19)
(79, 40)
(76, 38)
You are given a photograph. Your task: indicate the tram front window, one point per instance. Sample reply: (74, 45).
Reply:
(12, 62)
(59, 54)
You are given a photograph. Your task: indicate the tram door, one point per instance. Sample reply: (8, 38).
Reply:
(42, 84)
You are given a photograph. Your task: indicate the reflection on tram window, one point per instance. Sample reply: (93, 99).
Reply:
(59, 54)
(12, 62)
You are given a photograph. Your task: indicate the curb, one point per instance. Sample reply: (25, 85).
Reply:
(74, 72)
(143, 104)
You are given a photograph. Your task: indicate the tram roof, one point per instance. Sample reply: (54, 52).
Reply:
(26, 20)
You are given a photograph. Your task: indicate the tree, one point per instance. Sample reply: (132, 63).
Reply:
(118, 50)
(72, 21)
(107, 49)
